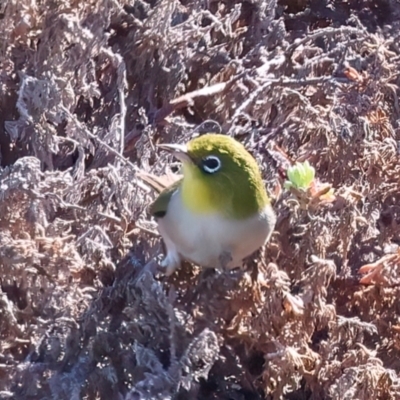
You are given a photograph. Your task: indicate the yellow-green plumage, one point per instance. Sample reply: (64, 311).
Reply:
(220, 207)
(239, 179)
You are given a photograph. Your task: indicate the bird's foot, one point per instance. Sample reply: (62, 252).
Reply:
(171, 262)
(224, 259)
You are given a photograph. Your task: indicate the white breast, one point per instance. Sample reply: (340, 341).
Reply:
(203, 238)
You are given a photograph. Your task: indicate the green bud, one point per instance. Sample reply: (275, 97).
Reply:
(300, 175)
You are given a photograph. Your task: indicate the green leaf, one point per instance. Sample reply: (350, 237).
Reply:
(300, 175)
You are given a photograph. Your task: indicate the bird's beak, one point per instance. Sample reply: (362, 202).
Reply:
(178, 150)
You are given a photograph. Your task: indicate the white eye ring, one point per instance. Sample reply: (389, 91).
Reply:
(211, 164)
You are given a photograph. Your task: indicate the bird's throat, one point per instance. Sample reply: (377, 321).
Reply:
(197, 196)
(202, 196)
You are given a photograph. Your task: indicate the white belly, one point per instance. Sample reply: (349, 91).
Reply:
(203, 238)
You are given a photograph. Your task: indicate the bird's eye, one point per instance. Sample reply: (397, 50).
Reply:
(211, 164)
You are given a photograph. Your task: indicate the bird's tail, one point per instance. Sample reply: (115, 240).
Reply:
(158, 183)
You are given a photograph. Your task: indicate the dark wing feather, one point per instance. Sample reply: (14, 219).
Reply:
(165, 186)
(158, 208)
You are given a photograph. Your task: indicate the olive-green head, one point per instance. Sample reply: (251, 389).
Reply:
(220, 175)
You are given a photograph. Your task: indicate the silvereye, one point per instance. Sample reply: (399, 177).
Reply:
(219, 212)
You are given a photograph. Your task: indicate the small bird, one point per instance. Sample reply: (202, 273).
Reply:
(218, 212)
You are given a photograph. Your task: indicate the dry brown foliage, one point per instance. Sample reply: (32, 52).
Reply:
(87, 90)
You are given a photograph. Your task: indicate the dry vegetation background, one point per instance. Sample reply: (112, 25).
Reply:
(87, 90)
